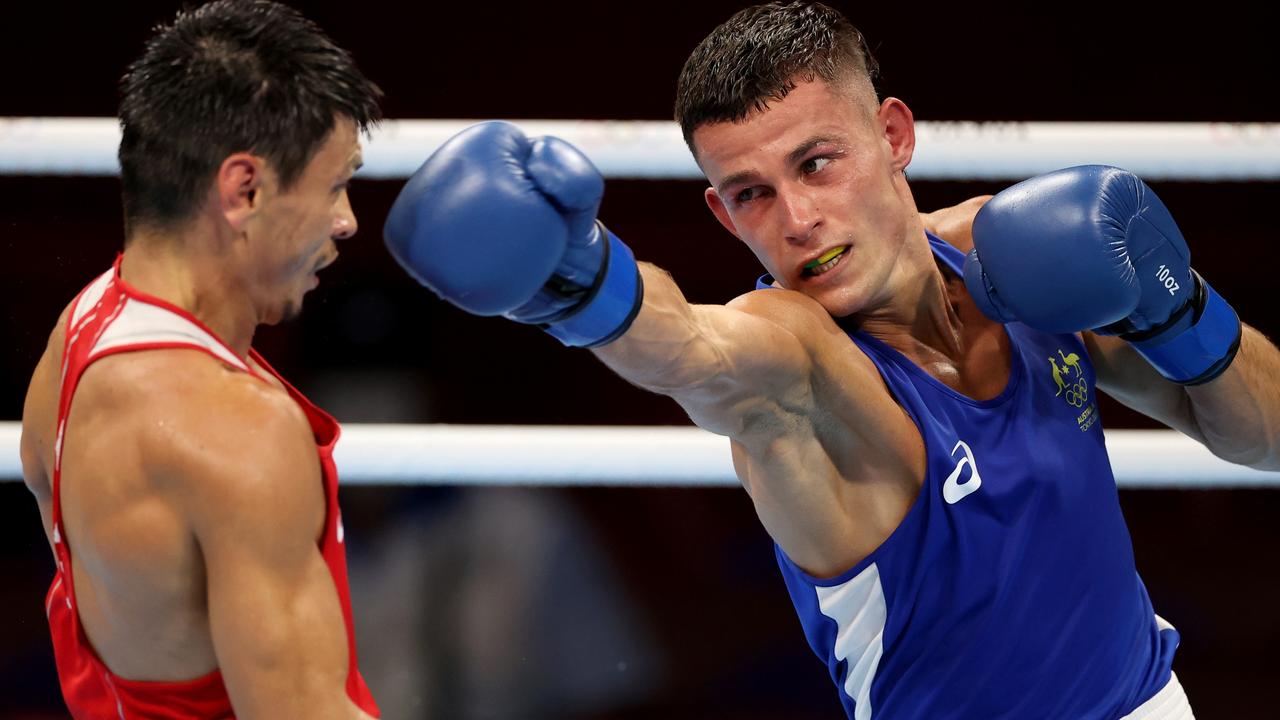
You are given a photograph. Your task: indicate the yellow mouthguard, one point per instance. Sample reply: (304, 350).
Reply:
(825, 257)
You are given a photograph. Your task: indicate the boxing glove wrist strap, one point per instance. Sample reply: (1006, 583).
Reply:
(610, 305)
(1196, 349)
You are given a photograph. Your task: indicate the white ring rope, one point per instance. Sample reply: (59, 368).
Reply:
(655, 150)
(654, 456)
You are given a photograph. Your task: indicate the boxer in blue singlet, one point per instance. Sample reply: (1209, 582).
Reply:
(917, 429)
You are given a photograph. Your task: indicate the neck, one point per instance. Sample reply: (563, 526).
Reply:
(925, 325)
(919, 318)
(184, 269)
(934, 323)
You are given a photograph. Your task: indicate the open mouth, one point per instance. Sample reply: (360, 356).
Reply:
(323, 264)
(825, 262)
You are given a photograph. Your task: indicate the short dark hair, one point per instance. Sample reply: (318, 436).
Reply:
(760, 54)
(230, 76)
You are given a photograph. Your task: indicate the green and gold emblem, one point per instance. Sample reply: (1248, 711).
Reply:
(1073, 388)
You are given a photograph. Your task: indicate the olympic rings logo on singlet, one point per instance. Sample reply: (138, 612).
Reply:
(1077, 394)
(1073, 388)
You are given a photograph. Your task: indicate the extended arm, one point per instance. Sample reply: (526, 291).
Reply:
(723, 364)
(498, 223)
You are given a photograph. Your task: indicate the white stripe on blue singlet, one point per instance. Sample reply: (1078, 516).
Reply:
(857, 606)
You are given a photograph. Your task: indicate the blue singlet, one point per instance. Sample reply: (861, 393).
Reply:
(1009, 589)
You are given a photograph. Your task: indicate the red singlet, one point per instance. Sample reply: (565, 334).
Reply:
(110, 317)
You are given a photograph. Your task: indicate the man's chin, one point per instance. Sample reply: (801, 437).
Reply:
(837, 304)
(290, 311)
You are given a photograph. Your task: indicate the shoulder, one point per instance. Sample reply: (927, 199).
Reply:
(780, 305)
(784, 328)
(798, 314)
(955, 224)
(223, 444)
(836, 375)
(827, 345)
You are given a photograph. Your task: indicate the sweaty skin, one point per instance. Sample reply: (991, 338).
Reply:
(831, 461)
(191, 492)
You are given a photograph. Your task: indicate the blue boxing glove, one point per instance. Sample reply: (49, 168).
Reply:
(499, 224)
(1093, 248)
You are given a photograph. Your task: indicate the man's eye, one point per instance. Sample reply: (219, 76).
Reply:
(813, 165)
(745, 196)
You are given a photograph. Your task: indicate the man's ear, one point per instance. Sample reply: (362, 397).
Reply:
(237, 185)
(899, 128)
(719, 210)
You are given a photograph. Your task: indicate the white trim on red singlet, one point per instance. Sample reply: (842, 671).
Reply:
(142, 324)
(88, 299)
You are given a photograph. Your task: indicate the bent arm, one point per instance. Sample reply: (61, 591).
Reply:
(1236, 416)
(257, 505)
(955, 223)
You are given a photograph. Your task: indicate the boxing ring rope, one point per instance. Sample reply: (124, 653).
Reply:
(655, 150)
(654, 456)
(686, 456)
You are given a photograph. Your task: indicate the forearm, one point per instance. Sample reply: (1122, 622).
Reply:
(1238, 413)
(667, 348)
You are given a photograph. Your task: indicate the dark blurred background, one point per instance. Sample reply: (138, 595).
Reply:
(634, 603)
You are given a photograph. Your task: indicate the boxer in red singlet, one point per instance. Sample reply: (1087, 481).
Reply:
(188, 492)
